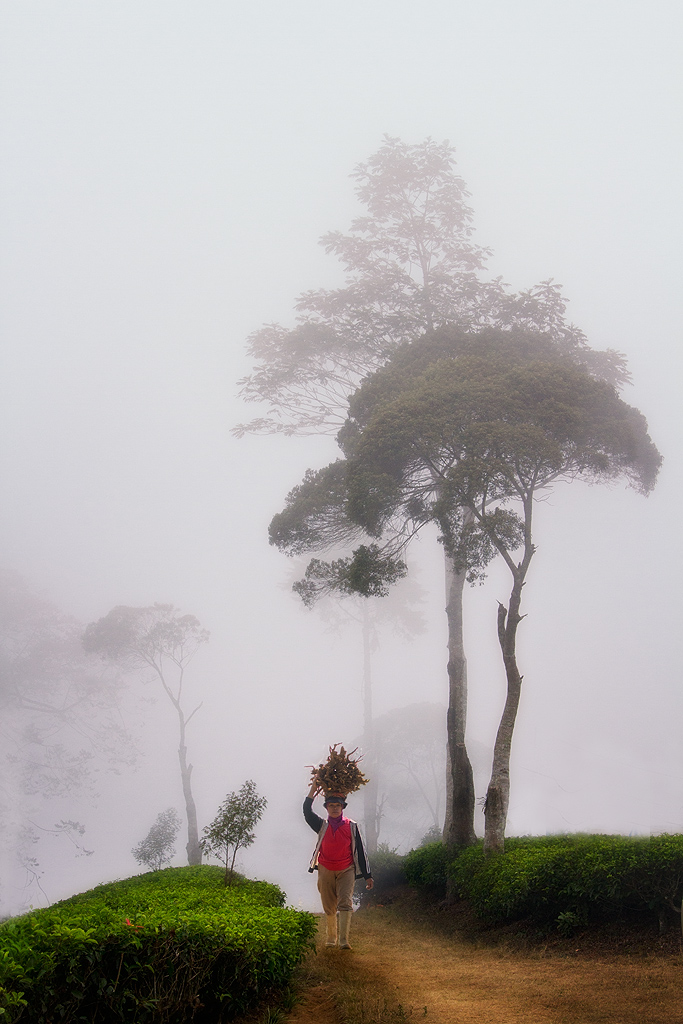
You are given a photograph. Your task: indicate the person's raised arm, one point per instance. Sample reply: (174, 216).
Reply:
(311, 817)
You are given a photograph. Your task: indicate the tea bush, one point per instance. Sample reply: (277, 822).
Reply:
(173, 945)
(568, 880)
(427, 866)
(387, 867)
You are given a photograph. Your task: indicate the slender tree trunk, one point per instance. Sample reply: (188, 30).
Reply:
(370, 812)
(498, 793)
(194, 850)
(232, 865)
(459, 824)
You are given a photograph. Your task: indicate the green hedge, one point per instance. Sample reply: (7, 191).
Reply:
(173, 945)
(569, 880)
(427, 867)
(387, 868)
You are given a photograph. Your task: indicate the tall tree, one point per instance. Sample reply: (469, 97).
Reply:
(159, 638)
(454, 431)
(411, 267)
(465, 433)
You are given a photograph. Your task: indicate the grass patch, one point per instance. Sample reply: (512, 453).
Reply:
(345, 987)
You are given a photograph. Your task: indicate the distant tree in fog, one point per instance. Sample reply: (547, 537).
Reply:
(411, 268)
(156, 849)
(411, 763)
(58, 710)
(158, 638)
(60, 720)
(340, 582)
(233, 827)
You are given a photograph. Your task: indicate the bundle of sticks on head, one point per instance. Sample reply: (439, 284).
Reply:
(340, 774)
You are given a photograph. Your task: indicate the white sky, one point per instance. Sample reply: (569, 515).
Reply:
(166, 171)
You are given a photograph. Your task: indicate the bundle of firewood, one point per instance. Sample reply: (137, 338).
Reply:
(340, 774)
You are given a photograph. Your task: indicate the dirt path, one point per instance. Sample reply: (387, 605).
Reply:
(440, 980)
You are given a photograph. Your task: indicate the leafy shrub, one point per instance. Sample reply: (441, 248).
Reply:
(427, 866)
(172, 945)
(569, 880)
(387, 867)
(433, 834)
(233, 827)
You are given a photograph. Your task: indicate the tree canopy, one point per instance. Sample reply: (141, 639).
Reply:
(149, 635)
(472, 422)
(464, 421)
(411, 267)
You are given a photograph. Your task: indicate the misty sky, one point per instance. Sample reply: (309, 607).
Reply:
(166, 171)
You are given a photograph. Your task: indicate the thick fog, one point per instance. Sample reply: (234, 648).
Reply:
(167, 170)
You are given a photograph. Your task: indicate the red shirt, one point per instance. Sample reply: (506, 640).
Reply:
(335, 852)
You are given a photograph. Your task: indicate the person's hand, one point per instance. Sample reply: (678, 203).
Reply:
(314, 790)
(369, 883)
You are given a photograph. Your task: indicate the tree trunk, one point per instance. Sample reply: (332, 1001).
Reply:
(459, 824)
(370, 813)
(194, 850)
(498, 793)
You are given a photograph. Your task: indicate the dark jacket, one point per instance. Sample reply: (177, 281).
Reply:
(320, 825)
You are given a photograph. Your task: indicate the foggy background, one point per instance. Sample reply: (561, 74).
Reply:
(166, 171)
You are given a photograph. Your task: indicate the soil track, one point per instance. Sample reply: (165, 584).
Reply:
(400, 970)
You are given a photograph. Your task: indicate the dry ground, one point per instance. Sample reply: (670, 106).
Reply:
(403, 969)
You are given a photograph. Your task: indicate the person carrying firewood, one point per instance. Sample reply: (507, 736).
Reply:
(339, 858)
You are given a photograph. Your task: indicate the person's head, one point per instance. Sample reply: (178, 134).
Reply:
(334, 804)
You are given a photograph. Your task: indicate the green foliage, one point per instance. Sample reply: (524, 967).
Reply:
(387, 868)
(450, 431)
(156, 849)
(314, 516)
(163, 947)
(368, 572)
(233, 826)
(427, 866)
(566, 880)
(432, 835)
(492, 416)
